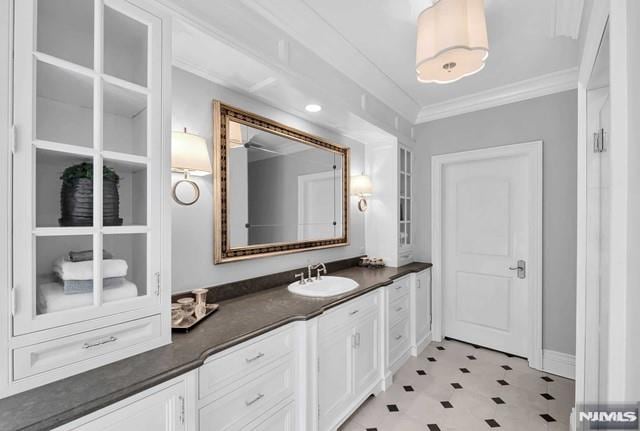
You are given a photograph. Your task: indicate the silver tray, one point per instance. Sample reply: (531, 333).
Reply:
(191, 321)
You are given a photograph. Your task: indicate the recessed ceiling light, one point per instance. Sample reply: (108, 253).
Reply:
(313, 108)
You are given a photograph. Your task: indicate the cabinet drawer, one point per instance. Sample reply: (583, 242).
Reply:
(352, 310)
(398, 340)
(229, 367)
(399, 288)
(399, 309)
(281, 420)
(60, 352)
(233, 410)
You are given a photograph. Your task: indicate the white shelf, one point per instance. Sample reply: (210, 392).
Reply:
(122, 230)
(63, 231)
(131, 160)
(57, 147)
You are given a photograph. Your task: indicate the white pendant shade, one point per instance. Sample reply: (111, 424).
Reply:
(452, 41)
(189, 154)
(361, 185)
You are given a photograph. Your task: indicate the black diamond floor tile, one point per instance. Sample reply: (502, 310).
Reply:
(547, 378)
(503, 382)
(547, 417)
(492, 423)
(392, 408)
(408, 388)
(371, 429)
(456, 385)
(433, 427)
(498, 400)
(471, 358)
(465, 370)
(506, 367)
(547, 396)
(440, 348)
(446, 404)
(421, 372)
(431, 359)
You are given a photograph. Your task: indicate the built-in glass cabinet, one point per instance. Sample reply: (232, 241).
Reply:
(406, 197)
(87, 162)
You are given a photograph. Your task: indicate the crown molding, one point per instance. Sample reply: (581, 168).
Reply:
(543, 85)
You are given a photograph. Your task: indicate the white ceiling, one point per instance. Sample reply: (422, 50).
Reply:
(522, 40)
(357, 57)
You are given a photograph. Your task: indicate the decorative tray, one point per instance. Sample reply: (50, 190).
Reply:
(189, 322)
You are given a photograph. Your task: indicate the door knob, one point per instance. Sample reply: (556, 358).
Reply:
(521, 268)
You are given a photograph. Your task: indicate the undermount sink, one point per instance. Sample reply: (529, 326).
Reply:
(327, 286)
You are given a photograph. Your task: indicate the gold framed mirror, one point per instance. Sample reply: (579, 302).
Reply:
(277, 189)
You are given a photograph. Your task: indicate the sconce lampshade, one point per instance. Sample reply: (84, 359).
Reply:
(452, 41)
(189, 154)
(361, 185)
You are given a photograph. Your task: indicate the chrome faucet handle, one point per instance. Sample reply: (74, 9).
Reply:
(310, 269)
(322, 269)
(302, 280)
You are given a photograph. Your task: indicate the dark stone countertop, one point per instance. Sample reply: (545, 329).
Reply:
(236, 321)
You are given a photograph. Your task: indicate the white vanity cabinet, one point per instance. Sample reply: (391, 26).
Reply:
(420, 311)
(161, 408)
(349, 365)
(253, 385)
(398, 304)
(92, 97)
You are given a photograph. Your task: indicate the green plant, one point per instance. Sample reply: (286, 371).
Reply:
(85, 170)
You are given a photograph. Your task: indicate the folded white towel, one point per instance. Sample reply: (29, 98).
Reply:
(51, 297)
(67, 270)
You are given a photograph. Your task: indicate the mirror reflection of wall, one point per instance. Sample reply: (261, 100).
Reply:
(280, 189)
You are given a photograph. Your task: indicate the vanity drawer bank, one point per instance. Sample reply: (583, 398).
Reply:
(173, 378)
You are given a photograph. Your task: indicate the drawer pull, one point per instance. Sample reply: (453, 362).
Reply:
(255, 358)
(100, 343)
(354, 312)
(398, 337)
(399, 309)
(255, 400)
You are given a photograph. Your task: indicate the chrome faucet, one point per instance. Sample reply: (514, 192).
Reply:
(302, 279)
(321, 269)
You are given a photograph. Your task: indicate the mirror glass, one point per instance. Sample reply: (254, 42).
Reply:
(281, 190)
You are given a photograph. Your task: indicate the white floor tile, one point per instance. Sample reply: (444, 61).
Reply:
(422, 386)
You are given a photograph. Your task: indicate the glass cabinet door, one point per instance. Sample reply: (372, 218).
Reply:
(406, 161)
(87, 197)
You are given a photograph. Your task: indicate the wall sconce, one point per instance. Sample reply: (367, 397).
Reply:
(189, 156)
(361, 186)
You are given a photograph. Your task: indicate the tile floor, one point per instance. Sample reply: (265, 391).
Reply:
(456, 386)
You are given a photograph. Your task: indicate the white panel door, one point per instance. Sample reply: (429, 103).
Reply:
(367, 347)
(485, 232)
(335, 377)
(162, 411)
(317, 206)
(422, 307)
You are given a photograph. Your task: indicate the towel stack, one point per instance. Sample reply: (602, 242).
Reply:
(74, 287)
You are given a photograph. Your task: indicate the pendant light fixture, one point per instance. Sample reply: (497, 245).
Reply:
(452, 40)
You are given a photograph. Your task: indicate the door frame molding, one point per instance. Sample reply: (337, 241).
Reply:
(533, 152)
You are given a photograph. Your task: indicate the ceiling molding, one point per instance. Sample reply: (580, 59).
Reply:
(544, 85)
(302, 22)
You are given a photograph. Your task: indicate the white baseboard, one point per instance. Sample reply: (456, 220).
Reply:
(558, 363)
(422, 344)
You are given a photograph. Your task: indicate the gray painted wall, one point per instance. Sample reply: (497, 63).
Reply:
(192, 227)
(552, 119)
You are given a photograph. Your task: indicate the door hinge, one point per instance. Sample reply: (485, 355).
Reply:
(598, 141)
(12, 139)
(157, 284)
